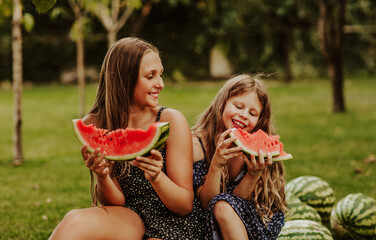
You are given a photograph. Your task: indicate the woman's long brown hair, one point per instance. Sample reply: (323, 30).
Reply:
(268, 194)
(117, 80)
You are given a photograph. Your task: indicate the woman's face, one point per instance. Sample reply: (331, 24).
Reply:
(150, 82)
(242, 111)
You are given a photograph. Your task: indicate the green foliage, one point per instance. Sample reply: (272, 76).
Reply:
(44, 5)
(6, 10)
(60, 11)
(86, 28)
(54, 180)
(250, 32)
(28, 22)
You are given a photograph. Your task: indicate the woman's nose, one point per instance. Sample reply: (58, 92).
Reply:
(160, 82)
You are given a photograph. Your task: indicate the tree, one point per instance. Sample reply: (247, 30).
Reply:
(17, 20)
(17, 82)
(330, 31)
(113, 15)
(78, 36)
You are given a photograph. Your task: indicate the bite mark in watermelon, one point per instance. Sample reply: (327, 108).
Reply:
(122, 144)
(251, 143)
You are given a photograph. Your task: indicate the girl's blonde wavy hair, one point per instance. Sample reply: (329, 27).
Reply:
(268, 194)
(117, 81)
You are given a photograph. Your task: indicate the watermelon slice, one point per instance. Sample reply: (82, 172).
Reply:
(259, 140)
(282, 155)
(122, 144)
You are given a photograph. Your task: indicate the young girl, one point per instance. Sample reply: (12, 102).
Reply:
(151, 198)
(245, 197)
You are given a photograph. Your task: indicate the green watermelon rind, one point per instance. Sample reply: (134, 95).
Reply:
(161, 134)
(302, 211)
(313, 191)
(288, 156)
(304, 230)
(354, 217)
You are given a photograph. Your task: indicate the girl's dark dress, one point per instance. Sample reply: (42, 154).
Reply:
(159, 221)
(245, 209)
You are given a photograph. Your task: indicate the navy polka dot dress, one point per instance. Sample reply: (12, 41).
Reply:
(244, 208)
(159, 221)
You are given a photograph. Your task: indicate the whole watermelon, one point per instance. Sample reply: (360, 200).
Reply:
(354, 217)
(304, 230)
(299, 210)
(313, 191)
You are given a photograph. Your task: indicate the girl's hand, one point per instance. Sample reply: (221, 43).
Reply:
(152, 166)
(226, 150)
(255, 167)
(96, 162)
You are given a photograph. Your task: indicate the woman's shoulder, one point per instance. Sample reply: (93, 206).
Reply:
(171, 115)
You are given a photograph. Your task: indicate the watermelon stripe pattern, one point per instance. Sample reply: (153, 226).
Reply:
(313, 191)
(299, 210)
(354, 217)
(304, 230)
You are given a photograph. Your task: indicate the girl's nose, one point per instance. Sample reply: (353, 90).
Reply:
(243, 114)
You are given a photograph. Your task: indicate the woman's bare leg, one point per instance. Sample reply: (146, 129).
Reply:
(229, 222)
(109, 222)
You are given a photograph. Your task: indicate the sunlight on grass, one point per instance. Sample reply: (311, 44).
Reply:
(54, 180)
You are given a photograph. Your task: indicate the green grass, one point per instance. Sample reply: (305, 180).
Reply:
(35, 196)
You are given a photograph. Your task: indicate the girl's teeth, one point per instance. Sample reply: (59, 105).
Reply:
(239, 124)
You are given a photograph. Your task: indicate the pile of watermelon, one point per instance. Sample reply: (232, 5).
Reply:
(312, 212)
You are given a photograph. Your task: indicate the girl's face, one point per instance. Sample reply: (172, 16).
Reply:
(150, 82)
(242, 111)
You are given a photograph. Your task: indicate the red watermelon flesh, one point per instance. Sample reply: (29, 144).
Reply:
(259, 140)
(122, 144)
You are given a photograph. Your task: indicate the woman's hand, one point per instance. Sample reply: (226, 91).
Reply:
(96, 162)
(255, 167)
(226, 150)
(152, 166)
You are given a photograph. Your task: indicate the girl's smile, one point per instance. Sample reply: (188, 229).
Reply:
(242, 111)
(150, 82)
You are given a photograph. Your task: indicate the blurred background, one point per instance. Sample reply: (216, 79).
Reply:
(278, 37)
(319, 55)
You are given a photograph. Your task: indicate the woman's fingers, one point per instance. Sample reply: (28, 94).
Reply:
(151, 166)
(156, 160)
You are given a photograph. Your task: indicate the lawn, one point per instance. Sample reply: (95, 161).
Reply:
(35, 196)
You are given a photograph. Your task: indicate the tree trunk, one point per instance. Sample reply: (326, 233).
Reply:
(330, 31)
(286, 49)
(17, 82)
(111, 37)
(80, 68)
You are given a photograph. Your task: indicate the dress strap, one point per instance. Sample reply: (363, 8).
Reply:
(160, 113)
(202, 145)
